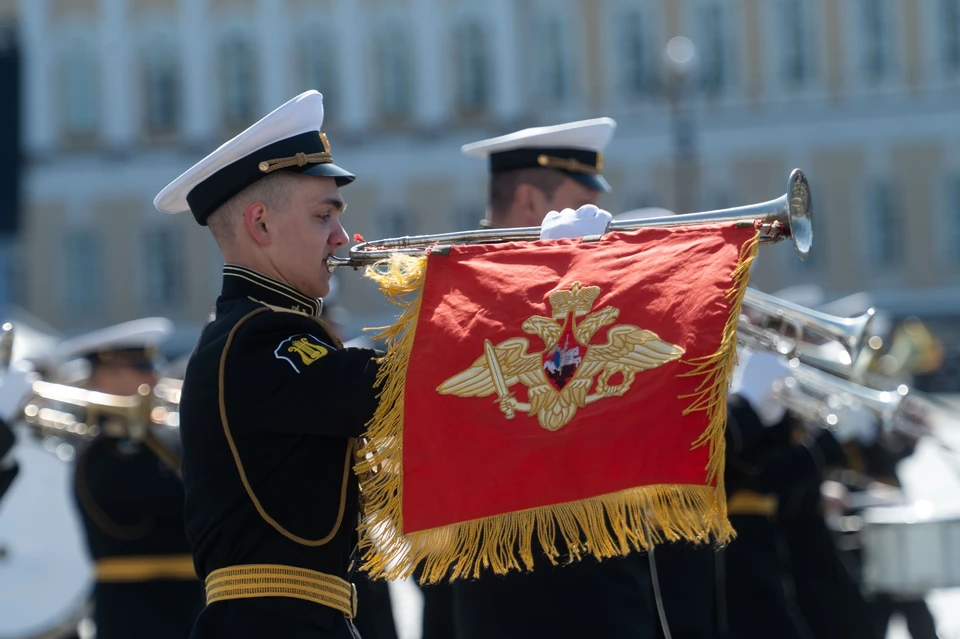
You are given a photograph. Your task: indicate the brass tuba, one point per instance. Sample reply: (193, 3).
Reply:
(77, 415)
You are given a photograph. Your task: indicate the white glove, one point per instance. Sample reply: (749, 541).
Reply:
(587, 220)
(14, 386)
(855, 422)
(753, 380)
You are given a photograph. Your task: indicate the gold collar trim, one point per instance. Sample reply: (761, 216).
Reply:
(300, 302)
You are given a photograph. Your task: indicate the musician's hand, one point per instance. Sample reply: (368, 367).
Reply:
(856, 423)
(14, 387)
(754, 379)
(587, 220)
(833, 496)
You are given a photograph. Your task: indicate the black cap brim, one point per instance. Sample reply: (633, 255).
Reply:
(595, 182)
(342, 176)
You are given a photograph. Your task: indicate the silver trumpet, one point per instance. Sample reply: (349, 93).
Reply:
(789, 216)
(819, 397)
(791, 323)
(77, 415)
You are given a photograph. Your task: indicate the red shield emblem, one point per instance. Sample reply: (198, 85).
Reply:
(560, 363)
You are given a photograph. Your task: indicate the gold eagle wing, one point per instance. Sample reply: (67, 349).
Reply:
(516, 365)
(629, 350)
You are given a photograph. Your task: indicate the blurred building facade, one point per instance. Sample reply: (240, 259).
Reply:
(123, 95)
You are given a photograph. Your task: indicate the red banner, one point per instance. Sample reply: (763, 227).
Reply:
(550, 380)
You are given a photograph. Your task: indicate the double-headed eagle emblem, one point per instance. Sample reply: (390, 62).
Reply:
(560, 378)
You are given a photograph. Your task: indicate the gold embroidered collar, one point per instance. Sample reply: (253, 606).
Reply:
(240, 281)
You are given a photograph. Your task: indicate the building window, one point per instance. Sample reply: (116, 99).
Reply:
(876, 39)
(397, 223)
(239, 82)
(886, 228)
(554, 79)
(793, 41)
(317, 67)
(950, 24)
(84, 270)
(161, 77)
(639, 70)
(473, 78)
(164, 268)
(81, 82)
(396, 73)
(714, 48)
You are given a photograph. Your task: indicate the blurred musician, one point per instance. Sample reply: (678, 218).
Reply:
(130, 502)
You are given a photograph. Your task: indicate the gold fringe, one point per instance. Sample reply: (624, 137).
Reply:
(717, 370)
(379, 460)
(605, 526)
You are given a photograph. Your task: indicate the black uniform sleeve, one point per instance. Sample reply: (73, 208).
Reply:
(7, 438)
(283, 372)
(8, 467)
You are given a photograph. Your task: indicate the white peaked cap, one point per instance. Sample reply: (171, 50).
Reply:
(146, 333)
(288, 138)
(575, 148)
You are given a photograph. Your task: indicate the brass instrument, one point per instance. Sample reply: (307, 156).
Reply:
(793, 322)
(6, 348)
(789, 216)
(78, 415)
(819, 397)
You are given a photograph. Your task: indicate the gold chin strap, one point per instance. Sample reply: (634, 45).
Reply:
(300, 159)
(269, 580)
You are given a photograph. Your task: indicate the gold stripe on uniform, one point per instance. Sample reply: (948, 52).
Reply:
(269, 580)
(748, 502)
(144, 568)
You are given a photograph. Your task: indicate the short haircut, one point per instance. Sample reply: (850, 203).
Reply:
(271, 190)
(503, 186)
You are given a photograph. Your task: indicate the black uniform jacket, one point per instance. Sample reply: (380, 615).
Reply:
(827, 590)
(271, 408)
(760, 595)
(8, 467)
(131, 505)
(687, 573)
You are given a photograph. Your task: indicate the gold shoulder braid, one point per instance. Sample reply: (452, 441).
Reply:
(351, 447)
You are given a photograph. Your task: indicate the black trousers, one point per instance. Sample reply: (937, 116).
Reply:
(437, 608)
(153, 609)
(688, 585)
(920, 622)
(374, 609)
(585, 599)
(239, 620)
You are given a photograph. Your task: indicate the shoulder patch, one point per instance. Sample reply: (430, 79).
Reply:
(302, 349)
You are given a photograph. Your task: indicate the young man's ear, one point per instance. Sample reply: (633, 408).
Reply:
(526, 199)
(255, 221)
